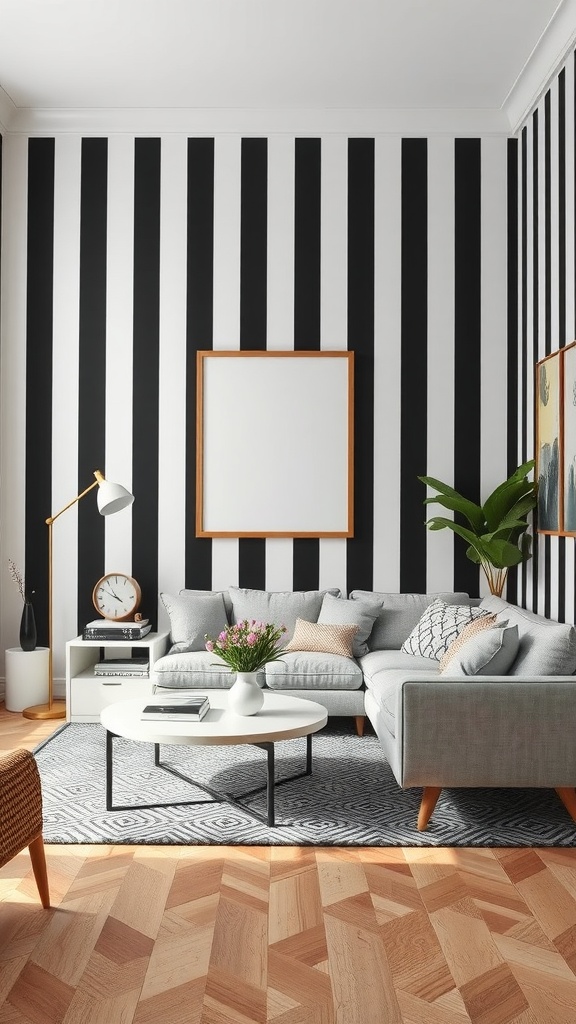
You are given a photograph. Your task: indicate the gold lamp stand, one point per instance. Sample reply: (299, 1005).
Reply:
(111, 498)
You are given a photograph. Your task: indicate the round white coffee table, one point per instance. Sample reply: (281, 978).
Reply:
(281, 718)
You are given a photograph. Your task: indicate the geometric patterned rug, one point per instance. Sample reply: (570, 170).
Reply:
(350, 799)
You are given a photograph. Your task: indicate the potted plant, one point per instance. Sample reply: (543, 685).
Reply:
(246, 647)
(495, 531)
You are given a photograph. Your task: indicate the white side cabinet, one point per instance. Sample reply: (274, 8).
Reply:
(86, 693)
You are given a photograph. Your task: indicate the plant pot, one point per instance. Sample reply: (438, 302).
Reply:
(246, 696)
(28, 634)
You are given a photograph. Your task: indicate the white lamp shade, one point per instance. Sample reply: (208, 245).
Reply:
(112, 498)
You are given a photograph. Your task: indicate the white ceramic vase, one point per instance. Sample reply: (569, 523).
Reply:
(245, 696)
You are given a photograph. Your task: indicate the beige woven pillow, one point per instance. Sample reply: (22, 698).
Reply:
(470, 630)
(323, 637)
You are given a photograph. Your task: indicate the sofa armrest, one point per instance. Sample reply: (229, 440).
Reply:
(487, 731)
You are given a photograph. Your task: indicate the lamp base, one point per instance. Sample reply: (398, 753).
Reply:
(46, 711)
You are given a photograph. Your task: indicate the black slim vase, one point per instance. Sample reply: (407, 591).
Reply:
(28, 635)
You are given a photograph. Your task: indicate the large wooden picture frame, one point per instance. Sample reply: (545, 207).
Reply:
(555, 393)
(274, 443)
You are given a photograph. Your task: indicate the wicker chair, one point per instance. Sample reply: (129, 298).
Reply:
(21, 815)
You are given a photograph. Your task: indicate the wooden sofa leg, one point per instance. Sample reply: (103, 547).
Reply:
(568, 798)
(428, 803)
(38, 858)
(360, 720)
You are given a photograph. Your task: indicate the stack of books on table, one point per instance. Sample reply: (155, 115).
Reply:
(138, 666)
(107, 629)
(177, 709)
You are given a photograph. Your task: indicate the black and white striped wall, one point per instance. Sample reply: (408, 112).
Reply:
(545, 180)
(124, 255)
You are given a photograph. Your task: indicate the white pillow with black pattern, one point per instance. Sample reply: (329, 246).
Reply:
(439, 625)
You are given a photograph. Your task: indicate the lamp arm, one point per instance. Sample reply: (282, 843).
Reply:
(98, 480)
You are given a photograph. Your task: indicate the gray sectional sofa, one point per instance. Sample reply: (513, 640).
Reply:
(454, 702)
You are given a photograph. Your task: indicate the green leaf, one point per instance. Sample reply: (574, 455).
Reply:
(454, 501)
(507, 494)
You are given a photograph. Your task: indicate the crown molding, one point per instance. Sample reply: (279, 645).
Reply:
(544, 63)
(7, 111)
(215, 121)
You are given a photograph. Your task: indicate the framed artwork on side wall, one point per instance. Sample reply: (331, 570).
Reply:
(555, 389)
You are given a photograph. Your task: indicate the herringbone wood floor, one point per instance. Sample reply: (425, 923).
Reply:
(214, 935)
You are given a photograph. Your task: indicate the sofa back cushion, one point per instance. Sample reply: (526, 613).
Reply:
(282, 607)
(546, 648)
(340, 612)
(398, 615)
(192, 616)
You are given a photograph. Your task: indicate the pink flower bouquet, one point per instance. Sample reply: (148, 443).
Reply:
(247, 646)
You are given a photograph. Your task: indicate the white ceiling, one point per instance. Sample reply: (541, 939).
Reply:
(385, 55)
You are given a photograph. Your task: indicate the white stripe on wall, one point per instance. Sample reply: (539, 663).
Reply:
(387, 325)
(13, 378)
(119, 342)
(333, 302)
(172, 361)
(280, 308)
(440, 396)
(227, 180)
(65, 393)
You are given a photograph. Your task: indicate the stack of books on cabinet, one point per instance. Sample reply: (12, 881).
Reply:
(107, 629)
(138, 666)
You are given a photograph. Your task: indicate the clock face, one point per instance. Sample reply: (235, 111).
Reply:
(116, 596)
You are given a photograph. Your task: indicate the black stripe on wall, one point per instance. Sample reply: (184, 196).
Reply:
(512, 328)
(199, 336)
(92, 365)
(562, 295)
(524, 324)
(535, 315)
(253, 284)
(467, 340)
(145, 414)
(307, 178)
(414, 369)
(39, 304)
(360, 332)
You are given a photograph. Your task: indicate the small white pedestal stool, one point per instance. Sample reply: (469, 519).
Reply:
(26, 678)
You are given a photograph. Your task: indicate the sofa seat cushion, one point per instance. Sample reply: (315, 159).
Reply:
(546, 648)
(195, 669)
(398, 614)
(311, 670)
(278, 606)
(384, 672)
(380, 661)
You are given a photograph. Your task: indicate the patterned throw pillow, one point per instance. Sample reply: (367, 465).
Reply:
(439, 626)
(324, 637)
(474, 627)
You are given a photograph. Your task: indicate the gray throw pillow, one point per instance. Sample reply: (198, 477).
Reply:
(340, 612)
(489, 653)
(282, 607)
(439, 626)
(191, 617)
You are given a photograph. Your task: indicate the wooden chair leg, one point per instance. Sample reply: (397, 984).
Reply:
(38, 858)
(428, 803)
(360, 720)
(568, 798)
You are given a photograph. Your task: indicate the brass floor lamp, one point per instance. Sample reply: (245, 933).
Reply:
(111, 498)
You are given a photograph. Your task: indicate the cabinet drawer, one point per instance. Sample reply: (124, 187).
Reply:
(89, 696)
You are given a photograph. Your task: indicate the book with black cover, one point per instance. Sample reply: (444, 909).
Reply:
(125, 632)
(189, 709)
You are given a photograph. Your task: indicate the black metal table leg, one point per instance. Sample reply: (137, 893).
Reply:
(109, 736)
